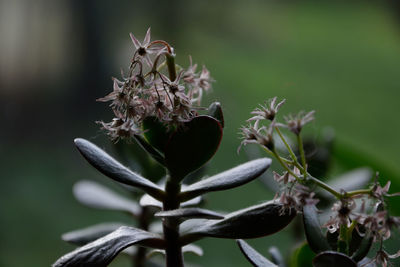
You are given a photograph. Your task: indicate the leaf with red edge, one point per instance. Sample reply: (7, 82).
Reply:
(192, 145)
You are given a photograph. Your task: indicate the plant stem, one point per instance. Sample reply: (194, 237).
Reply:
(358, 192)
(302, 155)
(292, 155)
(284, 165)
(170, 59)
(173, 251)
(325, 186)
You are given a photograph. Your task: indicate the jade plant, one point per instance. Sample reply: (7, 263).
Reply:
(157, 104)
(357, 218)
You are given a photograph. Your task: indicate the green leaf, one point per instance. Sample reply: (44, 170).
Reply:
(157, 156)
(253, 256)
(156, 133)
(215, 111)
(96, 196)
(332, 239)
(115, 170)
(234, 177)
(102, 251)
(89, 234)
(189, 213)
(357, 235)
(364, 247)
(333, 259)
(302, 256)
(252, 222)
(192, 145)
(315, 238)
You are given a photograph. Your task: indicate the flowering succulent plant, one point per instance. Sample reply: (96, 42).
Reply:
(358, 218)
(157, 105)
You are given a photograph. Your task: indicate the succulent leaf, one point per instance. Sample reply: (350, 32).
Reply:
(215, 111)
(115, 170)
(252, 222)
(333, 259)
(97, 196)
(315, 238)
(253, 256)
(89, 234)
(102, 251)
(189, 213)
(157, 156)
(192, 145)
(364, 247)
(234, 177)
(156, 133)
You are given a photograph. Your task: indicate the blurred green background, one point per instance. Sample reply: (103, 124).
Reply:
(341, 58)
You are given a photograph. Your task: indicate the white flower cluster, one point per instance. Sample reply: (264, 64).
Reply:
(147, 91)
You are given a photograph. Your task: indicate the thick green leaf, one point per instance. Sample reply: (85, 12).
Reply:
(192, 145)
(364, 247)
(302, 256)
(97, 196)
(333, 259)
(115, 170)
(255, 221)
(102, 251)
(89, 234)
(189, 213)
(215, 111)
(156, 133)
(157, 156)
(253, 256)
(315, 238)
(332, 239)
(357, 235)
(228, 179)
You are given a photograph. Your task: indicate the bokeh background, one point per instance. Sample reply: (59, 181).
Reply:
(341, 58)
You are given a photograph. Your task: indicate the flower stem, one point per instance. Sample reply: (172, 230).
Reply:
(324, 186)
(170, 59)
(358, 192)
(173, 251)
(284, 165)
(292, 155)
(302, 155)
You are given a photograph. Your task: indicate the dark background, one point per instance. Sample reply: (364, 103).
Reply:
(341, 58)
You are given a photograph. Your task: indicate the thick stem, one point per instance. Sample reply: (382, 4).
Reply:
(170, 58)
(173, 251)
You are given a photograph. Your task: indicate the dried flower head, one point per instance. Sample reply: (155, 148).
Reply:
(268, 111)
(342, 211)
(147, 91)
(297, 122)
(254, 134)
(382, 258)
